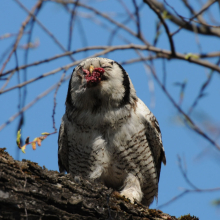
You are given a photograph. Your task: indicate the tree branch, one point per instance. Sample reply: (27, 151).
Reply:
(160, 52)
(202, 29)
(164, 24)
(21, 31)
(29, 192)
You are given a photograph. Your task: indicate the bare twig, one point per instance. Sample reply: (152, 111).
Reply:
(164, 24)
(54, 99)
(21, 31)
(187, 191)
(160, 53)
(187, 119)
(72, 19)
(186, 25)
(204, 8)
(22, 98)
(128, 12)
(12, 118)
(199, 17)
(202, 89)
(185, 174)
(7, 35)
(43, 27)
(103, 15)
(137, 18)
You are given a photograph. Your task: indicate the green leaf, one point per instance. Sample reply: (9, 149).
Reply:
(191, 55)
(165, 15)
(18, 140)
(45, 133)
(23, 149)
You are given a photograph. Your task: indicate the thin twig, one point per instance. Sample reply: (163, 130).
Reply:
(128, 12)
(22, 101)
(105, 16)
(21, 31)
(187, 191)
(199, 17)
(178, 20)
(188, 120)
(12, 118)
(204, 8)
(202, 89)
(137, 17)
(7, 35)
(160, 53)
(172, 47)
(185, 174)
(54, 99)
(44, 28)
(72, 19)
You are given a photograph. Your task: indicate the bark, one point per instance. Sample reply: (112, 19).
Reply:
(28, 191)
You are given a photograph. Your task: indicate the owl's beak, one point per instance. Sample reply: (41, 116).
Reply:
(91, 68)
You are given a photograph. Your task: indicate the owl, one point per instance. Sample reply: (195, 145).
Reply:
(108, 134)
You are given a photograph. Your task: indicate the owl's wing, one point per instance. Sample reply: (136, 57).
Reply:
(63, 149)
(153, 135)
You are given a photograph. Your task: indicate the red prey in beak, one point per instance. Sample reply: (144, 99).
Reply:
(93, 75)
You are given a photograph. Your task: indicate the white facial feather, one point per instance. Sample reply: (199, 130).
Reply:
(109, 135)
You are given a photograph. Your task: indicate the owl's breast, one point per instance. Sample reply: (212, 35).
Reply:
(88, 154)
(127, 148)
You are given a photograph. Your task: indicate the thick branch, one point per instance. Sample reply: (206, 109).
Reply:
(28, 191)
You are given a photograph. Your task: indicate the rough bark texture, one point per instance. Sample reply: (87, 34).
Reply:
(28, 191)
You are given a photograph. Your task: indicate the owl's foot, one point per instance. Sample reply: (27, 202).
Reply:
(132, 189)
(132, 195)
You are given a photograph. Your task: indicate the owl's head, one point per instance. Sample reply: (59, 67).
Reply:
(99, 82)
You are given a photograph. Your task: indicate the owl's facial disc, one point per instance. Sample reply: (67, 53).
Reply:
(93, 75)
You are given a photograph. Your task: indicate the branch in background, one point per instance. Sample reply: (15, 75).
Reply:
(187, 191)
(172, 48)
(43, 27)
(21, 31)
(193, 12)
(22, 98)
(105, 16)
(202, 89)
(62, 79)
(188, 121)
(7, 35)
(163, 53)
(202, 29)
(204, 8)
(12, 118)
(72, 20)
(127, 11)
(138, 22)
(160, 53)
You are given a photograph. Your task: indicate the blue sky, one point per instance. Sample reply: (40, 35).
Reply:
(203, 170)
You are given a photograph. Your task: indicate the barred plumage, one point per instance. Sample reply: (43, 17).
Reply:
(108, 134)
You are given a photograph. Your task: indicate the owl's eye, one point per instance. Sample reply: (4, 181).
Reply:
(107, 66)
